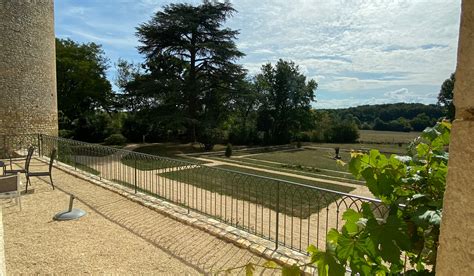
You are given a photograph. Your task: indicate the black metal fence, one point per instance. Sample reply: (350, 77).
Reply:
(290, 214)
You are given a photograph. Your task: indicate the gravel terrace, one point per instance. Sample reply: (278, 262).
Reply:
(117, 236)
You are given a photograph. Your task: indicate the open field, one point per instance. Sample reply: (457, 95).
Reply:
(387, 137)
(296, 201)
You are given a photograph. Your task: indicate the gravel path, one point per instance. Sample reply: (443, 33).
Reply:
(116, 236)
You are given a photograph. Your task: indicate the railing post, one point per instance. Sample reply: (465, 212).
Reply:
(277, 221)
(135, 175)
(39, 145)
(75, 162)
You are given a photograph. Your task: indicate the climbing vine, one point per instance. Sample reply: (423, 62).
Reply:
(405, 240)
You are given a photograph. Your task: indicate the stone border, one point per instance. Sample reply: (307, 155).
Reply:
(243, 239)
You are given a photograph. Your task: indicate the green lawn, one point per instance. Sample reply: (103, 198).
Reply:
(174, 149)
(70, 161)
(299, 170)
(298, 201)
(87, 169)
(167, 150)
(315, 158)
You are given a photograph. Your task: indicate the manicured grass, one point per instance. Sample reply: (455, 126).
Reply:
(131, 186)
(293, 200)
(167, 150)
(149, 163)
(174, 149)
(68, 160)
(299, 170)
(87, 169)
(316, 158)
(386, 148)
(84, 150)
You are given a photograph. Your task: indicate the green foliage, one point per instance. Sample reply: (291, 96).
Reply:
(391, 117)
(286, 99)
(446, 96)
(412, 188)
(65, 133)
(115, 139)
(228, 150)
(333, 129)
(190, 68)
(343, 132)
(95, 127)
(81, 79)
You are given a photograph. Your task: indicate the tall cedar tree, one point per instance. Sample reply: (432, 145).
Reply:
(190, 60)
(286, 101)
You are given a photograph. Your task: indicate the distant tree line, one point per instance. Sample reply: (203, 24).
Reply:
(190, 88)
(392, 117)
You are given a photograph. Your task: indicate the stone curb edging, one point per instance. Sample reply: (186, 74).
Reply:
(243, 239)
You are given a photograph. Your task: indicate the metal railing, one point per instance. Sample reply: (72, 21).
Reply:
(291, 214)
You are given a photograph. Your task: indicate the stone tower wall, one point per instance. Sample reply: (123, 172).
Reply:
(28, 100)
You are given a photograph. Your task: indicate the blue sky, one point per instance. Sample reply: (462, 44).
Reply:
(359, 52)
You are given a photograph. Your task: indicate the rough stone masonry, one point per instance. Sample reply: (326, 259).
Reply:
(28, 100)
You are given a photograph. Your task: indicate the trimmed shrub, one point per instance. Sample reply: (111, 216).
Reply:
(115, 139)
(228, 150)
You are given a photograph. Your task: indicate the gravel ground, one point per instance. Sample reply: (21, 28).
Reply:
(116, 236)
(293, 232)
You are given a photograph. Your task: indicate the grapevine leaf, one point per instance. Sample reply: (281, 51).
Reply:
(291, 271)
(340, 162)
(350, 247)
(422, 149)
(424, 217)
(351, 217)
(271, 264)
(249, 269)
(391, 236)
(326, 262)
(355, 166)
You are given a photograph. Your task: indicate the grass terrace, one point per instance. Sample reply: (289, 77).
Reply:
(296, 201)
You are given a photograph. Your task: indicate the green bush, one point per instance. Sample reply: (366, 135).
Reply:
(411, 188)
(344, 132)
(115, 139)
(228, 150)
(66, 133)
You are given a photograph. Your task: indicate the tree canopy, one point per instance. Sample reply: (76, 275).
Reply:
(81, 80)
(84, 93)
(445, 97)
(286, 99)
(190, 65)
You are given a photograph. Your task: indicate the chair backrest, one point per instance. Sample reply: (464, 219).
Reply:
(9, 183)
(51, 159)
(31, 150)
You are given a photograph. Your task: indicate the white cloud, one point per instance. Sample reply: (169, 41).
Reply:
(347, 46)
